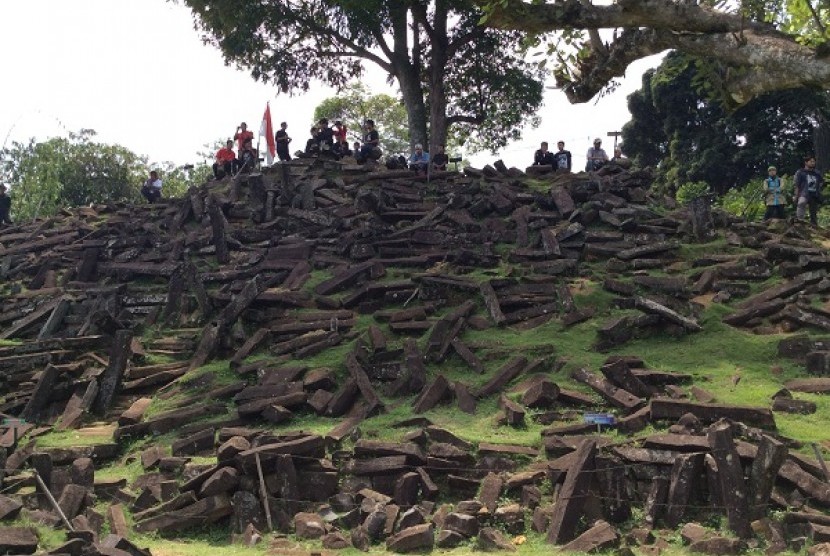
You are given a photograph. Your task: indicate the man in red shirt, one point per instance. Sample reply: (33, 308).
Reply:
(226, 163)
(339, 132)
(242, 134)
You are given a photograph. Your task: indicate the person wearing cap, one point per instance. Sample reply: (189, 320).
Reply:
(419, 160)
(774, 195)
(596, 156)
(5, 206)
(151, 190)
(242, 134)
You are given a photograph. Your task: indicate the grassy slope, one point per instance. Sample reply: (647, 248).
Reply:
(714, 356)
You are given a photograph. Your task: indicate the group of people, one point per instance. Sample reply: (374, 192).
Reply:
(326, 140)
(596, 157)
(807, 192)
(421, 162)
(229, 162)
(333, 140)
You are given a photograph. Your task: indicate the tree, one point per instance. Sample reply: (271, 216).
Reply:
(758, 45)
(71, 171)
(418, 43)
(677, 125)
(76, 171)
(354, 104)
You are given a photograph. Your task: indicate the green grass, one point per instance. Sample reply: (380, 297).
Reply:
(714, 357)
(71, 438)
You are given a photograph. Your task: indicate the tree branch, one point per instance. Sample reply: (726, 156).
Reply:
(655, 14)
(419, 14)
(463, 39)
(358, 51)
(816, 18)
(460, 119)
(760, 58)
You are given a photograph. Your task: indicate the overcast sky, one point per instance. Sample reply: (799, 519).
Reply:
(137, 72)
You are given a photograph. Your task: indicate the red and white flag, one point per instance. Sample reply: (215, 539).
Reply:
(267, 130)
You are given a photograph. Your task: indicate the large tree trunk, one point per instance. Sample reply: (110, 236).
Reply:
(437, 66)
(437, 116)
(416, 111)
(821, 144)
(405, 70)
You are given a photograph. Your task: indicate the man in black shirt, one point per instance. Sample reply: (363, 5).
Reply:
(326, 136)
(562, 158)
(283, 139)
(5, 206)
(439, 161)
(808, 185)
(543, 157)
(371, 141)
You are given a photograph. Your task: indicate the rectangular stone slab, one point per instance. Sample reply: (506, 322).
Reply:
(662, 408)
(616, 396)
(572, 496)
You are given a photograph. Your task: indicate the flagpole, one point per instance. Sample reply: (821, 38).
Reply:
(259, 138)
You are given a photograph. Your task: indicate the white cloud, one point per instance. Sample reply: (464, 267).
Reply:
(138, 73)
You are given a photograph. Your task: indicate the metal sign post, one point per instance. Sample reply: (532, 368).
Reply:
(615, 135)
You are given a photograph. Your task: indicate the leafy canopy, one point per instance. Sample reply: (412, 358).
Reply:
(450, 71)
(354, 104)
(77, 170)
(690, 136)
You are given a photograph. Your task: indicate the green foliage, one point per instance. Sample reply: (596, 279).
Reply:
(691, 190)
(746, 201)
(355, 103)
(681, 126)
(71, 171)
(74, 171)
(177, 179)
(808, 19)
(491, 81)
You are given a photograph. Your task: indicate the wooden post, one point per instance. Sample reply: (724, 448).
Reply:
(52, 500)
(263, 492)
(821, 461)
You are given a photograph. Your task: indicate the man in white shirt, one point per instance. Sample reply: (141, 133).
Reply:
(419, 160)
(152, 188)
(596, 156)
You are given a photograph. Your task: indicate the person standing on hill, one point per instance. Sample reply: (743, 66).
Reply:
(282, 139)
(774, 195)
(808, 186)
(151, 190)
(5, 207)
(562, 158)
(242, 134)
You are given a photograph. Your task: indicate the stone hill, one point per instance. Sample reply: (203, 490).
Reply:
(215, 321)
